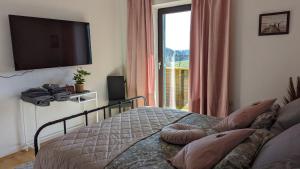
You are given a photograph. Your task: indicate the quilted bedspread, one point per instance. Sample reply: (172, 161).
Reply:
(95, 146)
(152, 153)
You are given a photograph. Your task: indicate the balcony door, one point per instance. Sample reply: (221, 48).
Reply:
(174, 51)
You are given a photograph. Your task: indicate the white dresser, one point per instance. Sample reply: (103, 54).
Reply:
(34, 116)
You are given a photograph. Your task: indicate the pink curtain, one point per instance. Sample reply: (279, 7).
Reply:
(209, 60)
(140, 57)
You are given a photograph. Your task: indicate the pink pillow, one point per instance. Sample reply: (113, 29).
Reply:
(208, 151)
(181, 134)
(243, 118)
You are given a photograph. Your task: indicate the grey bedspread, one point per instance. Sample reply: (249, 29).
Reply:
(152, 152)
(95, 146)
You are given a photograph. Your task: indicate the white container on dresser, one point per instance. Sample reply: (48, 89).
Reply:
(34, 116)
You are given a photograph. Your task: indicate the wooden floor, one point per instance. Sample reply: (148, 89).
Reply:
(11, 161)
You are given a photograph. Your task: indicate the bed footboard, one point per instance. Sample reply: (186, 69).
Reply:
(85, 113)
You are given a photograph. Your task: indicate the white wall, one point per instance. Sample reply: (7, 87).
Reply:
(123, 27)
(163, 1)
(106, 33)
(261, 65)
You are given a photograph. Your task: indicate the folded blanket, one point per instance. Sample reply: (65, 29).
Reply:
(35, 92)
(39, 101)
(62, 96)
(50, 86)
(54, 88)
(37, 96)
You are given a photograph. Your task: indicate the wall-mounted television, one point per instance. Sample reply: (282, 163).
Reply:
(45, 43)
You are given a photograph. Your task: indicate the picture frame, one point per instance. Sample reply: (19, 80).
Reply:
(276, 23)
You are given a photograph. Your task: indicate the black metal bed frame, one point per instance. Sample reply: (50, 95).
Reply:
(85, 113)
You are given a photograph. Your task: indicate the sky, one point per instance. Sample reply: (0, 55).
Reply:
(178, 30)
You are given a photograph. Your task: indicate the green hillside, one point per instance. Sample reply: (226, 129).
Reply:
(182, 64)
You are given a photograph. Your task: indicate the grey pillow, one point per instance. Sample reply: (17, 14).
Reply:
(282, 165)
(288, 116)
(244, 154)
(282, 148)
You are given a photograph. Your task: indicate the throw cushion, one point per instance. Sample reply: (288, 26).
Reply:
(282, 148)
(267, 119)
(181, 134)
(243, 118)
(282, 165)
(244, 154)
(208, 151)
(288, 116)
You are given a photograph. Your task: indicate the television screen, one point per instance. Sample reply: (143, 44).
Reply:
(45, 43)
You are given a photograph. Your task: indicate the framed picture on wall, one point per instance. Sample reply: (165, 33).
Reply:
(277, 23)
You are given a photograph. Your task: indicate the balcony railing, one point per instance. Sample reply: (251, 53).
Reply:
(176, 87)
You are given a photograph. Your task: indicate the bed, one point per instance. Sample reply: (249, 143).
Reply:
(128, 140)
(131, 140)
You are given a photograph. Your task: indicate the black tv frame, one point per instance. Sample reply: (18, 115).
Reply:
(11, 16)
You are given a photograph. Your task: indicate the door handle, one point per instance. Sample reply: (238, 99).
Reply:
(159, 65)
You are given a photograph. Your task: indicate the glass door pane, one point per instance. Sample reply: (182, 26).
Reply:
(174, 68)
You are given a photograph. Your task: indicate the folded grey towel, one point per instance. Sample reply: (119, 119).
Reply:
(39, 101)
(54, 88)
(35, 92)
(50, 86)
(62, 96)
(43, 96)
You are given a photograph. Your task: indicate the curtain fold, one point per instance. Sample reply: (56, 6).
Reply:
(140, 56)
(209, 59)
